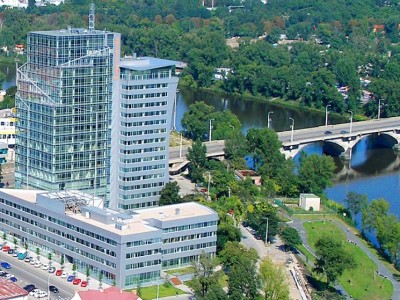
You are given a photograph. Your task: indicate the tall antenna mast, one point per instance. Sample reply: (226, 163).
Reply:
(91, 17)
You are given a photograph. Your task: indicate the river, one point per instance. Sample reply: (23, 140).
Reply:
(373, 171)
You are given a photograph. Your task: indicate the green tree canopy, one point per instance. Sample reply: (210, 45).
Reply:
(170, 194)
(273, 281)
(197, 161)
(332, 259)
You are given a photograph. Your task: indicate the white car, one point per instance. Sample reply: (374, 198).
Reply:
(45, 267)
(40, 294)
(8, 276)
(15, 254)
(35, 291)
(33, 261)
(38, 264)
(64, 274)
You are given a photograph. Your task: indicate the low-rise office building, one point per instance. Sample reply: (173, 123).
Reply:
(126, 247)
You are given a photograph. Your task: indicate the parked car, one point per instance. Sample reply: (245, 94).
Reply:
(27, 259)
(8, 276)
(53, 289)
(45, 267)
(76, 281)
(14, 279)
(59, 272)
(33, 292)
(32, 261)
(3, 274)
(5, 265)
(6, 248)
(70, 278)
(29, 288)
(84, 283)
(11, 251)
(15, 253)
(38, 264)
(40, 294)
(51, 270)
(64, 274)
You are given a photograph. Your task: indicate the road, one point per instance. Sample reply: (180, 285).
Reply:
(307, 134)
(28, 274)
(318, 133)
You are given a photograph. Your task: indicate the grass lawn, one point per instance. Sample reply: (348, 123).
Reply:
(181, 271)
(315, 216)
(306, 253)
(361, 282)
(150, 292)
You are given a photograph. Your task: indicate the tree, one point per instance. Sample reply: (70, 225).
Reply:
(372, 213)
(74, 268)
(273, 281)
(204, 275)
(315, 173)
(62, 261)
(170, 194)
(38, 253)
(15, 241)
(227, 233)
(195, 121)
(262, 214)
(355, 202)
(50, 257)
(332, 259)
(87, 273)
(197, 161)
(290, 236)
(240, 264)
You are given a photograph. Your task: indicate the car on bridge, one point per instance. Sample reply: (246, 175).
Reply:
(328, 132)
(344, 131)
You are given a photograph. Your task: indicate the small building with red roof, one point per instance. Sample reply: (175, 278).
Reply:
(111, 293)
(11, 291)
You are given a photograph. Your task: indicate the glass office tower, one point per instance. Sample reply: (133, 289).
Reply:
(64, 98)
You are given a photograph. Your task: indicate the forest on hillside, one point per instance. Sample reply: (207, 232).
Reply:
(305, 50)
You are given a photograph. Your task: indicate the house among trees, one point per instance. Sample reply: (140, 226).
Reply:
(242, 174)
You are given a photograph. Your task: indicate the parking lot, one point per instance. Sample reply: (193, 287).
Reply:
(48, 277)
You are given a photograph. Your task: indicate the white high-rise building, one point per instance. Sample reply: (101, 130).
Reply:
(141, 119)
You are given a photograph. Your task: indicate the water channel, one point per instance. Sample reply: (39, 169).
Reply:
(373, 170)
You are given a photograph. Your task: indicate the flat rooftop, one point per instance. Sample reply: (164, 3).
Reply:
(71, 32)
(176, 211)
(146, 63)
(128, 222)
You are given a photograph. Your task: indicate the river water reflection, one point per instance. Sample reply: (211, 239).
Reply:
(373, 171)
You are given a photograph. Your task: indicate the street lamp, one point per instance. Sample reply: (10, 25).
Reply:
(379, 109)
(351, 120)
(208, 186)
(48, 287)
(326, 115)
(229, 192)
(180, 146)
(269, 118)
(292, 127)
(266, 233)
(231, 126)
(211, 127)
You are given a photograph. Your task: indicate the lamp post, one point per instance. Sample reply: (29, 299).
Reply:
(269, 118)
(379, 109)
(266, 233)
(351, 120)
(292, 127)
(180, 146)
(48, 287)
(211, 127)
(208, 185)
(158, 290)
(231, 126)
(229, 192)
(326, 115)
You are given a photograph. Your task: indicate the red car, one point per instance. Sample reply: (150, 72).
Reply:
(76, 281)
(6, 248)
(59, 272)
(84, 284)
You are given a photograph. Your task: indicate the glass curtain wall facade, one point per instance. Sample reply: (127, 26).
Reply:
(63, 100)
(141, 126)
